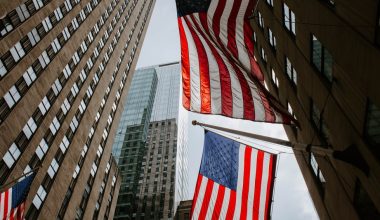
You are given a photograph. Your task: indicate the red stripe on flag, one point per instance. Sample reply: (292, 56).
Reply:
(6, 203)
(218, 202)
(225, 80)
(231, 205)
(269, 187)
(216, 17)
(197, 187)
(246, 183)
(203, 70)
(231, 32)
(206, 199)
(185, 62)
(259, 175)
(12, 213)
(269, 114)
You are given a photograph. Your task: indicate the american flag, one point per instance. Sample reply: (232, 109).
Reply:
(12, 201)
(219, 71)
(235, 181)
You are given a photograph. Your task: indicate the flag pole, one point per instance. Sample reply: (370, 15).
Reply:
(5, 186)
(302, 147)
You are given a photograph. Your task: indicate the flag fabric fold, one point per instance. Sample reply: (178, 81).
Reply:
(219, 72)
(235, 181)
(12, 200)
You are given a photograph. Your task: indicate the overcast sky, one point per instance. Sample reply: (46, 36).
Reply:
(291, 197)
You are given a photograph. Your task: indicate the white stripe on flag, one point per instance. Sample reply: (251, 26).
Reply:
(237, 96)
(216, 93)
(252, 178)
(240, 43)
(226, 200)
(264, 184)
(223, 35)
(2, 202)
(211, 205)
(195, 93)
(239, 188)
(198, 204)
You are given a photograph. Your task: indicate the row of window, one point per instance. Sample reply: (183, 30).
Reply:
(14, 152)
(88, 142)
(30, 40)
(17, 91)
(20, 14)
(34, 210)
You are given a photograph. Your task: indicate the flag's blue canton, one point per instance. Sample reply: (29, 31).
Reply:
(220, 161)
(185, 7)
(20, 191)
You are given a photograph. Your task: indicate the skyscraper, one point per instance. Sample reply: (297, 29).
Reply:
(157, 190)
(129, 146)
(65, 68)
(320, 59)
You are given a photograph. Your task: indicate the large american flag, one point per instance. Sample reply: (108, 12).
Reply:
(235, 181)
(12, 201)
(219, 72)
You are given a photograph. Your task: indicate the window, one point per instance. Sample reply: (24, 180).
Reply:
(74, 89)
(68, 5)
(290, 71)
(40, 197)
(322, 59)
(65, 106)
(33, 36)
(66, 33)
(275, 79)
(17, 51)
(29, 76)
(44, 105)
(75, 58)
(3, 70)
(22, 12)
(67, 71)
(12, 96)
(57, 87)
(56, 45)
(54, 126)
(74, 124)
(272, 38)
(74, 23)
(38, 4)
(29, 128)
(263, 55)
(82, 76)
(44, 59)
(319, 122)
(53, 168)
(317, 171)
(11, 155)
(42, 148)
(82, 107)
(94, 168)
(260, 19)
(64, 144)
(47, 24)
(289, 19)
(58, 13)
